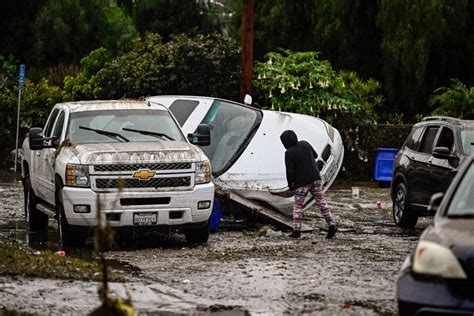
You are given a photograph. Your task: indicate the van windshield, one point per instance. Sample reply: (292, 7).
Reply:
(232, 127)
(467, 140)
(135, 125)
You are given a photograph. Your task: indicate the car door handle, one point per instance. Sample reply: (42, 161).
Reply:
(430, 161)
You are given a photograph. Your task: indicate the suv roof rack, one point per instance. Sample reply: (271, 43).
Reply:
(441, 118)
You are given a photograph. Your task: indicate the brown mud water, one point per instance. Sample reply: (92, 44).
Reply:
(239, 272)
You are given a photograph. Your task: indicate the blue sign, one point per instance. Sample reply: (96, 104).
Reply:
(21, 83)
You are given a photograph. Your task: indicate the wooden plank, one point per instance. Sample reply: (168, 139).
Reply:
(265, 211)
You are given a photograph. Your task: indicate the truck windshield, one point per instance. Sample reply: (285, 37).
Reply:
(135, 125)
(467, 139)
(232, 127)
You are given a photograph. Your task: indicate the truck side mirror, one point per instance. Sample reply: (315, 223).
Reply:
(202, 136)
(435, 202)
(36, 138)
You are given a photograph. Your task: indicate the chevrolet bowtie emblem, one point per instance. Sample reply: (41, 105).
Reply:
(143, 174)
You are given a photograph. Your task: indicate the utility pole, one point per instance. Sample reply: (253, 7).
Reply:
(246, 54)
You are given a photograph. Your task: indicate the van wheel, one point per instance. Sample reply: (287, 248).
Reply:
(197, 235)
(67, 237)
(402, 215)
(36, 220)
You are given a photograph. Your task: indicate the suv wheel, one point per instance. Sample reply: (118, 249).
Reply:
(402, 215)
(197, 235)
(36, 220)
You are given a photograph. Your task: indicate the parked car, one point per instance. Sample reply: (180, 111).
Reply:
(246, 153)
(127, 159)
(438, 278)
(427, 163)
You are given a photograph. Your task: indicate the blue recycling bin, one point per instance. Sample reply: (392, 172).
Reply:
(384, 160)
(216, 214)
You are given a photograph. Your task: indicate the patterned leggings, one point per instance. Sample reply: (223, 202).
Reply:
(316, 191)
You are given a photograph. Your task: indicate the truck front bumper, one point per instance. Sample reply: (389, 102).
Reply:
(120, 209)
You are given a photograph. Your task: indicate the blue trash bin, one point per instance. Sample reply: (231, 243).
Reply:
(216, 214)
(384, 160)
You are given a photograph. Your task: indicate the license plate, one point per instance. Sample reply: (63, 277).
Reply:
(144, 219)
(330, 171)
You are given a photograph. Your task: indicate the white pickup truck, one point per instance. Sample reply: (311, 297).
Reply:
(126, 160)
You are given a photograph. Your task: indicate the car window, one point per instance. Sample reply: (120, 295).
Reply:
(231, 127)
(467, 140)
(182, 109)
(414, 138)
(428, 139)
(49, 125)
(58, 128)
(446, 139)
(462, 203)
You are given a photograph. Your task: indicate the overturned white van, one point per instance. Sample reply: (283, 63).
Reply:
(246, 153)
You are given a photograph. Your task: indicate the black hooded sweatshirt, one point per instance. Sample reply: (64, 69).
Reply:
(300, 161)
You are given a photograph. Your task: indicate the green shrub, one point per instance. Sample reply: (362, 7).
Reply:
(203, 65)
(456, 100)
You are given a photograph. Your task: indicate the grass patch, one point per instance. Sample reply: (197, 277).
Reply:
(18, 259)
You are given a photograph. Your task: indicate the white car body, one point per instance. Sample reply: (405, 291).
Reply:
(139, 175)
(260, 166)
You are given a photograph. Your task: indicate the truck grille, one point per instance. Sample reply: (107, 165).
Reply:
(135, 183)
(149, 166)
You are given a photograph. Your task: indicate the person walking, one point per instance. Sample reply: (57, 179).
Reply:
(303, 176)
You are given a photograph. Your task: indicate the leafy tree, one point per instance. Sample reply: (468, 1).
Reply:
(424, 42)
(16, 29)
(167, 17)
(65, 30)
(203, 65)
(456, 100)
(300, 82)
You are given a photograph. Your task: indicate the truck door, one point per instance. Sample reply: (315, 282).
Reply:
(47, 156)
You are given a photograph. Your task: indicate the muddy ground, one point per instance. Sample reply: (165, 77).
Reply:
(237, 272)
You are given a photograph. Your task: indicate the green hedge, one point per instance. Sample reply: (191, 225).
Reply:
(361, 143)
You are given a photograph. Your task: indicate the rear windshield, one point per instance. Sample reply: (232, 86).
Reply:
(467, 140)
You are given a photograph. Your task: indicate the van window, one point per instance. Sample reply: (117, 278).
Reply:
(428, 139)
(182, 109)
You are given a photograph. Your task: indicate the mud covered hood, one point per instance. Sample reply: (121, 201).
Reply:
(137, 152)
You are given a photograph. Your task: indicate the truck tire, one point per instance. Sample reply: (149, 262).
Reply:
(403, 216)
(67, 237)
(197, 235)
(35, 219)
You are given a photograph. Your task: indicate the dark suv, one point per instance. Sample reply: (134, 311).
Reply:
(426, 164)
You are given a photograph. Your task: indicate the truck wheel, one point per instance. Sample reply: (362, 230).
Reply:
(197, 235)
(36, 220)
(403, 216)
(67, 237)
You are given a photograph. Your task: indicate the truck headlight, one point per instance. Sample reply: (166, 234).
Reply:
(77, 175)
(203, 172)
(432, 258)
